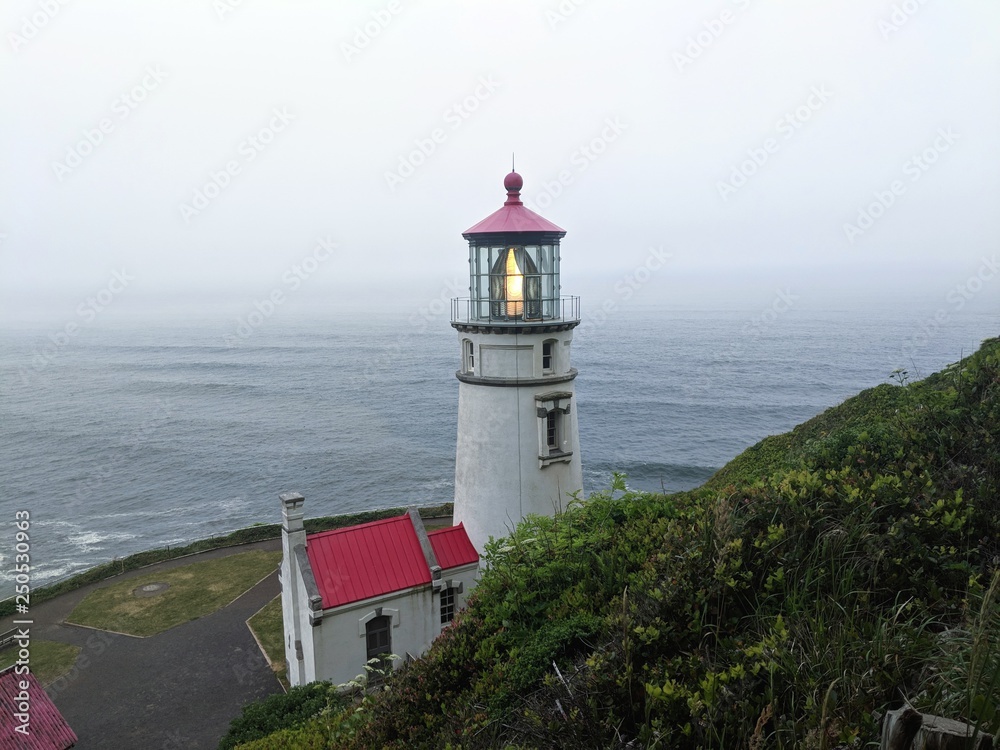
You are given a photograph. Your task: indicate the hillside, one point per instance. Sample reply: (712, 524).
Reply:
(818, 579)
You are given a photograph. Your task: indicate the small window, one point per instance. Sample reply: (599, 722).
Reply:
(556, 430)
(378, 634)
(378, 631)
(447, 605)
(470, 357)
(547, 356)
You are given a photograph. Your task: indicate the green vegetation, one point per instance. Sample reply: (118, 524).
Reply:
(49, 659)
(268, 627)
(820, 578)
(256, 533)
(281, 713)
(195, 590)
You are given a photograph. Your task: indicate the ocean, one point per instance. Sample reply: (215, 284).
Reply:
(133, 435)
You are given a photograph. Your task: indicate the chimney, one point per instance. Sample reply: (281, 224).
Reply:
(291, 518)
(293, 534)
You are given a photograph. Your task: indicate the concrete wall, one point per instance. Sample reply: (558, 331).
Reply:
(499, 478)
(339, 645)
(336, 648)
(517, 355)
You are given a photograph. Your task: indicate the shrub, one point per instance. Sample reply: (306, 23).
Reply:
(281, 711)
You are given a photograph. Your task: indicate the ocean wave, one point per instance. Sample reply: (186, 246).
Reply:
(91, 541)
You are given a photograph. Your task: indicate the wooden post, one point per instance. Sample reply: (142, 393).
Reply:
(899, 727)
(908, 729)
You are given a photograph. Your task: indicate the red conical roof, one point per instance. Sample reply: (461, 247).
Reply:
(513, 217)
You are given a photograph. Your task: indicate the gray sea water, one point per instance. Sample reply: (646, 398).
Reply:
(140, 435)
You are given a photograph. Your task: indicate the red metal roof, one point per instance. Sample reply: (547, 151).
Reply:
(371, 559)
(47, 729)
(367, 560)
(513, 216)
(452, 547)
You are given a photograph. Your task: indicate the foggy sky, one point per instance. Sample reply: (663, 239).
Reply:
(743, 138)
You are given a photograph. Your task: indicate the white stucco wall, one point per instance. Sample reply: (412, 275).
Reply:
(498, 477)
(336, 648)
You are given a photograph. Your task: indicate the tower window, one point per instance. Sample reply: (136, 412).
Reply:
(470, 357)
(547, 356)
(554, 430)
(447, 605)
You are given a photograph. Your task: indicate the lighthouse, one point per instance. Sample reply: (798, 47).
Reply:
(518, 448)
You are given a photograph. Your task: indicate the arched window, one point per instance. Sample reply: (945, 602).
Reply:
(378, 635)
(548, 356)
(468, 356)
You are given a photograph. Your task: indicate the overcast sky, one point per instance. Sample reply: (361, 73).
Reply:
(206, 147)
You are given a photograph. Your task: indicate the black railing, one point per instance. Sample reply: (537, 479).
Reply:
(515, 312)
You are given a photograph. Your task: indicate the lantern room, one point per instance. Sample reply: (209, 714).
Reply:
(514, 268)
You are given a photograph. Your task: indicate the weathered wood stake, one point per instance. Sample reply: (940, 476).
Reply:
(908, 729)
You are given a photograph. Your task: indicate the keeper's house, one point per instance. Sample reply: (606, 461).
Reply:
(360, 593)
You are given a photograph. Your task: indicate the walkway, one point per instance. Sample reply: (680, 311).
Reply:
(178, 689)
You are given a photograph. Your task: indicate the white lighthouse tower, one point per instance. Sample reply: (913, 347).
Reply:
(518, 447)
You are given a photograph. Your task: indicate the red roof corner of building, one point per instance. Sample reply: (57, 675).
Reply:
(452, 547)
(47, 729)
(380, 557)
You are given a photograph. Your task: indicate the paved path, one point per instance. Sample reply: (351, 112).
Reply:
(178, 689)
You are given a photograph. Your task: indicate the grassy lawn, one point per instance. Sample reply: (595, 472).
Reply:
(195, 590)
(49, 659)
(268, 628)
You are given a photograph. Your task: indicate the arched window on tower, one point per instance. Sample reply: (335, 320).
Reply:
(468, 356)
(548, 356)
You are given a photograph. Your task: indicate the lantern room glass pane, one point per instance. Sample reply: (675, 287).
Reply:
(514, 282)
(515, 286)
